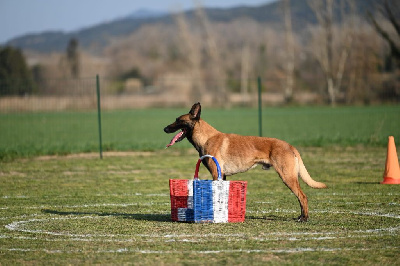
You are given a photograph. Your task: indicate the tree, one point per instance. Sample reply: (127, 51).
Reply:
(244, 77)
(289, 69)
(15, 76)
(215, 63)
(73, 58)
(331, 60)
(389, 10)
(193, 52)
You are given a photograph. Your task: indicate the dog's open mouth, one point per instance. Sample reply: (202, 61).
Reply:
(178, 137)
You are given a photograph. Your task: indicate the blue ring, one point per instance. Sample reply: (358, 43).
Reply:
(216, 163)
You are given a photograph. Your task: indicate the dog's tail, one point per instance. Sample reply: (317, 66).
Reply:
(303, 173)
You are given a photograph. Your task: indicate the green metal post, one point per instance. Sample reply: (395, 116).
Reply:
(259, 108)
(99, 115)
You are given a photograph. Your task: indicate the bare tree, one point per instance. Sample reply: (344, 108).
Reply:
(323, 10)
(244, 77)
(193, 52)
(388, 10)
(215, 58)
(362, 73)
(289, 69)
(73, 58)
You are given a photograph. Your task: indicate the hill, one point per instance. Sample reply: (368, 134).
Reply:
(95, 38)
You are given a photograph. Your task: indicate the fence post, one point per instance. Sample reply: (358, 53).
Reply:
(259, 107)
(99, 115)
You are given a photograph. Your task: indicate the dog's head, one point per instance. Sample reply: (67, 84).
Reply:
(185, 123)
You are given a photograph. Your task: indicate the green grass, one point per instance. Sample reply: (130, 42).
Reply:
(83, 210)
(26, 135)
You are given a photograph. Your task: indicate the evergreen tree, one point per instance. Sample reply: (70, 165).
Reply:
(15, 76)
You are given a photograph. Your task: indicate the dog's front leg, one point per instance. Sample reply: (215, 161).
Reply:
(214, 172)
(212, 168)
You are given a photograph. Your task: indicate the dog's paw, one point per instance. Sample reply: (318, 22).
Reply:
(266, 166)
(302, 219)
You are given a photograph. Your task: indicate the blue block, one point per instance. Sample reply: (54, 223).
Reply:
(203, 201)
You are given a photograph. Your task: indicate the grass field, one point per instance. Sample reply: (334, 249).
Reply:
(23, 135)
(79, 209)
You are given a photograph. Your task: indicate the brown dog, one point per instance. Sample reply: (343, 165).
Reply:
(237, 154)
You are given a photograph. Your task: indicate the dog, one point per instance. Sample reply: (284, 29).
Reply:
(237, 154)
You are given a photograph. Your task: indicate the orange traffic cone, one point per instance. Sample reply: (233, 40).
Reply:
(392, 169)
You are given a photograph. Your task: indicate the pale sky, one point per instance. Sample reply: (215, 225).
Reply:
(19, 17)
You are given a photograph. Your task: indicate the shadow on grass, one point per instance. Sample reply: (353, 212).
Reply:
(271, 218)
(153, 217)
(135, 216)
(367, 183)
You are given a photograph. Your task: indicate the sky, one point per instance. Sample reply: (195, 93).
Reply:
(20, 17)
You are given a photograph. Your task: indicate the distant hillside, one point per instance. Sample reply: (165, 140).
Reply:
(95, 38)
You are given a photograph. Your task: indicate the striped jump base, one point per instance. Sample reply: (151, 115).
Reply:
(207, 201)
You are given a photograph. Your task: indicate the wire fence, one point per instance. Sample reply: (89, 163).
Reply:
(61, 116)
(80, 94)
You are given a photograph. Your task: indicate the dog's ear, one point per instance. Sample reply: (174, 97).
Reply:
(195, 111)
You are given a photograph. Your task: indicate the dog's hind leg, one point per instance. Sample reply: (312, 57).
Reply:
(289, 176)
(294, 186)
(292, 183)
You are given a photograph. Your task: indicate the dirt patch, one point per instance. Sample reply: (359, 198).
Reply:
(93, 155)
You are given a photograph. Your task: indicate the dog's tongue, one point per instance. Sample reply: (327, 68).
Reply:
(177, 136)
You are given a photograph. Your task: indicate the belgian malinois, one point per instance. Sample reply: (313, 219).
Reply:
(237, 154)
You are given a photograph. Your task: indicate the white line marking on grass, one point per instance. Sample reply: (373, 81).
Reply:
(20, 217)
(358, 194)
(387, 215)
(94, 205)
(376, 214)
(23, 226)
(35, 250)
(126, 250)
(20, 227)
(15, 197)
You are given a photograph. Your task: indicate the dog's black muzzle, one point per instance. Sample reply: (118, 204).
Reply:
(167, 130)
